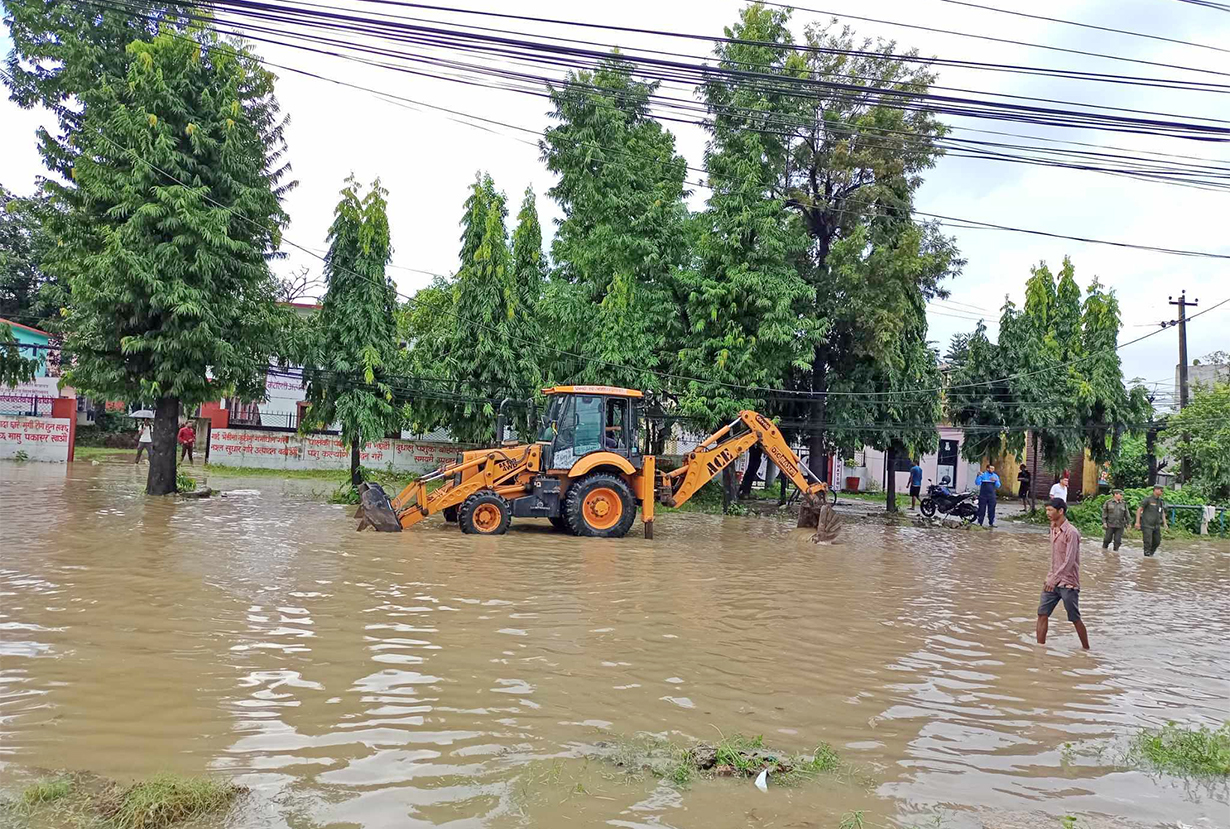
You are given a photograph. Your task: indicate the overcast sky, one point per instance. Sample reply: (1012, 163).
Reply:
(426, 159)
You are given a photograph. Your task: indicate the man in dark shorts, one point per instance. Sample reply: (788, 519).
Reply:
(1063, 582)
(915, 484)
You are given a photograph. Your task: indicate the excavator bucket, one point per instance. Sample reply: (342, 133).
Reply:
(375, 510)
(809, 511)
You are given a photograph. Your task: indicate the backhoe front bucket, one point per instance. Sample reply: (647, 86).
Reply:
(375, 510)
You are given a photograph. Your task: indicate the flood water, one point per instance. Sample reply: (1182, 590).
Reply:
(435, 679)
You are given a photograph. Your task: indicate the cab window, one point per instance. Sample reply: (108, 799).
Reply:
(589, 424)
(616, 430)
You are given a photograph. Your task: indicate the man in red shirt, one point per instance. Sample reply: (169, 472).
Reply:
(187, 439)
(1063, 582)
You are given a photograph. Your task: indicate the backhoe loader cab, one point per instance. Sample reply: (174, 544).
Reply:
(586, 472)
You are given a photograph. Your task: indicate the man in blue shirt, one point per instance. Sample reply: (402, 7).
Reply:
(915, 484)
(988, 494)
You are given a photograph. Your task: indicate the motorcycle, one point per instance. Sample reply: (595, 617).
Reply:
(956, 504)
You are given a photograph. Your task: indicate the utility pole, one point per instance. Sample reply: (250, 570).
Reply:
(1183, 304)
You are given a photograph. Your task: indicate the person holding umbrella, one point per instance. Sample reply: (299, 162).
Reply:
(145, 437)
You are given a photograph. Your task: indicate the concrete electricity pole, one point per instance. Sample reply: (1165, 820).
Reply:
(1183, 304)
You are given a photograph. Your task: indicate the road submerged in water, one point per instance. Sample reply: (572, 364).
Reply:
(431, 678)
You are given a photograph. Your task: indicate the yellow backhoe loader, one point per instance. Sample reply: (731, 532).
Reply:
(585, 473)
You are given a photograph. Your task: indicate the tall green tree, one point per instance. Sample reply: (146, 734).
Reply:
(856, 158)
(348, 381)
(494, 306)
(15, 366)
(622, 239)
(164, 226)
(740, 323)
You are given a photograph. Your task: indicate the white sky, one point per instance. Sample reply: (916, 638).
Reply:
(426, 160)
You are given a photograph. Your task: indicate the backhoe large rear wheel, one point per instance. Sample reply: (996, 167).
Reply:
(600, 506)
(484, 513)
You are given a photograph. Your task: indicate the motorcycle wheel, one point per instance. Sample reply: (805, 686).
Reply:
(927, 507)
(966, 512)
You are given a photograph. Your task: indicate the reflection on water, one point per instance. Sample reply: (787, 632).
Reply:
(433, 678)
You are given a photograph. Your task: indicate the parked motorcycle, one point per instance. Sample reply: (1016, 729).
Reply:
(956, 504)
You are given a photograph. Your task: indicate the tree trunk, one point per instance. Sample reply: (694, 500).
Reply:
(890, 478)
(818, 407)
(161, 480)
(754, 457)
(356, 477)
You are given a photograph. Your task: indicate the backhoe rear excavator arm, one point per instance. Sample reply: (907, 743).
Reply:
(721, 449)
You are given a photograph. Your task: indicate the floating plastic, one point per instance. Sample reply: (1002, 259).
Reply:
(762, 782)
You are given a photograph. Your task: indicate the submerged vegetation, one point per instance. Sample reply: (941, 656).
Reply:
(91, 802)
(1173, 749)
(734, 756)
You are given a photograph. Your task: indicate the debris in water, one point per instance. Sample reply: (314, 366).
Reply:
(762, 782)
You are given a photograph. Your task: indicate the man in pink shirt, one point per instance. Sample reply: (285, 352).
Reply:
(1063, 582)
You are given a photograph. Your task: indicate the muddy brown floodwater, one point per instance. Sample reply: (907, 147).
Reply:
(431, 678)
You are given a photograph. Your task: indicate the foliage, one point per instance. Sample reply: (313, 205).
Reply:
(623, 235)
(494, 306)
(1184, 751)
(184, 482)
(1130, 466)
(851, 181)
(427, 323)
(173, 201)
(347, 378)
(1055, 368)
(26, 293)
(740, 325)
(1200, 434)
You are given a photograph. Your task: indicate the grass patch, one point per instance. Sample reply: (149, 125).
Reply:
(1172, 749)
(87, 801)
(734, 756)
(94, 453)
(46, 791)
(165, 799)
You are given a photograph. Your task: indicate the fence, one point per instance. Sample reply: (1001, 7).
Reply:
(23, 405)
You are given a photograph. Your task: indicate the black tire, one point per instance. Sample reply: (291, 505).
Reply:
(927, 507)
(833, 496)
(581, 492)
(560, 523)
(966, 512)
(450, 514)
(478, 515)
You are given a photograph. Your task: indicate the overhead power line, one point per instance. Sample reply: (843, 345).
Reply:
(993, 38)
(1209, 4)
(1092, 26)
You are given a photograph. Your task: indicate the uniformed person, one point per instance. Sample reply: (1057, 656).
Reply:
(1150, 519)
(1115, 517)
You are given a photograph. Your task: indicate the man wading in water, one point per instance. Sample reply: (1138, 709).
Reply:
(1115, 517)
(1063, 583)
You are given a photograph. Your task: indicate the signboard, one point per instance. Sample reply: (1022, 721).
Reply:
(35, 438)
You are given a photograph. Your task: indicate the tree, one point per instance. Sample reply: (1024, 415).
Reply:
(740, 326)
(1200, 435)
(854, 164)
(348, 381)
(494, 305)
(27, 293)
(165, 223)
(622, 239)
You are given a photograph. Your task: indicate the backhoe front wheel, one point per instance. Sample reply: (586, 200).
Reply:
(600, 506)
(484, 513)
